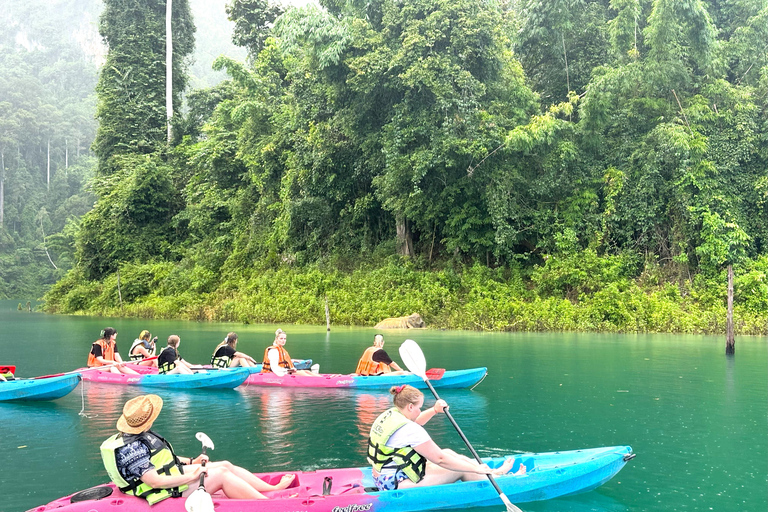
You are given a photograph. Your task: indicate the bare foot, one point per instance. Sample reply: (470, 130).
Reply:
(507, 467)
(285, 482)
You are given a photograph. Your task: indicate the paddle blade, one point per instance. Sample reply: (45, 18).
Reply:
(413, 357)
(203, 438)
(199, 501)
(435, 373)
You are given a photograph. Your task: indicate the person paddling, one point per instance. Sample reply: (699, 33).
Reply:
(169, 361)
(141, 463)
(226, 355)
(278, 361)
(375, 360)
(104, 352)
(143, 348)
(403, 455)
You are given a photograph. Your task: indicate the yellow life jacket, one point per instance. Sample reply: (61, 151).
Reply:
(161, 457)
(167, 366)
(221, 361)
(367, 366)
(285, 359)
(406, 459)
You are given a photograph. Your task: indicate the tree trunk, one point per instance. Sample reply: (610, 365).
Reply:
(2, 186)
(730, 342)
(48, 166)
(168, 66)
(404, 237)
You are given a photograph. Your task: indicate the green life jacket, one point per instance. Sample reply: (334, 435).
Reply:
(161, 457)
(221, 361)
(379, 454)
(167, 366)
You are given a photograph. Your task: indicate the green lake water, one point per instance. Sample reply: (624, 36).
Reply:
(698, 420)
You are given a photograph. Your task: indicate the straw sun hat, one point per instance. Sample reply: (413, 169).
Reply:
(139, 413)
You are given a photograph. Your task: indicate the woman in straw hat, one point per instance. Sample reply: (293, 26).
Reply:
(142, 463)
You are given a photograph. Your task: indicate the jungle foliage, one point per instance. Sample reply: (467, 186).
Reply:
(530, 164)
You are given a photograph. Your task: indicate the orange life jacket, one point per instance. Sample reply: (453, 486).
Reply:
(285, 359)
(367, 366)
(107, 352)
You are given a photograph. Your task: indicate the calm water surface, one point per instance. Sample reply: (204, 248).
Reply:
(697, 420)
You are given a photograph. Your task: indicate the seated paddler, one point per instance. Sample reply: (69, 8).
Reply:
(170, 361)
(376, 361)
(105, 356)
(278, 361)
(227, 356)
(142, 348)
(402, 454)
(142, 463)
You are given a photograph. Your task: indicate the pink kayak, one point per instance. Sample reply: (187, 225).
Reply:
(148, 376)
(451, 379)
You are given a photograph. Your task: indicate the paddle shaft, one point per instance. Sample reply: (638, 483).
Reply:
(503, 496)
(93, 368)
(202, 475)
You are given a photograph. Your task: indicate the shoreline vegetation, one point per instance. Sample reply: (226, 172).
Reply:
(583, 292)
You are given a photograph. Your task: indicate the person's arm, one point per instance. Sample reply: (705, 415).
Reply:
(157, 481)
(436, 455)
(118, 359)
(396, 367)
(141, 350)
(246, 356)
(274, 362)
(428, 414)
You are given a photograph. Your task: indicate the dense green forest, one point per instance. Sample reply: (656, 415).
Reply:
(50, 55)
(519, 165)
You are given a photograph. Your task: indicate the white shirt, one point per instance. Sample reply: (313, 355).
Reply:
(274, 362)
(410, 434)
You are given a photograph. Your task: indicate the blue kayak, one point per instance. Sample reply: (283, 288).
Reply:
(549, 475)
(49, 388)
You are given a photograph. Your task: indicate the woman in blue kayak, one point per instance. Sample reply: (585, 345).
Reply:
(169, 361)
(226, 355)
(402, 454)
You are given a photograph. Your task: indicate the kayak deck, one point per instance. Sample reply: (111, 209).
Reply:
(553, 474)
(49, 388)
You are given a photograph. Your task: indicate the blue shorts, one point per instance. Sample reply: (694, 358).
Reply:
(390, 481)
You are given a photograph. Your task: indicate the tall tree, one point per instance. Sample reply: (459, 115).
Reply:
(131, 88)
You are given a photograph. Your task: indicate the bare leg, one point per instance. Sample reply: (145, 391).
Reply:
(180, 368)
(221, 479)
(126, 370)
(252, 480)
(307, 373)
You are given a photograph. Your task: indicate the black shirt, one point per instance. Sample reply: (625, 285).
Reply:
(225, 351)
(97, 352)
(380, 356)
(168, 355)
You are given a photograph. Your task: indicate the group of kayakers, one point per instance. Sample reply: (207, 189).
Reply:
(400, 451)
(143, 351)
